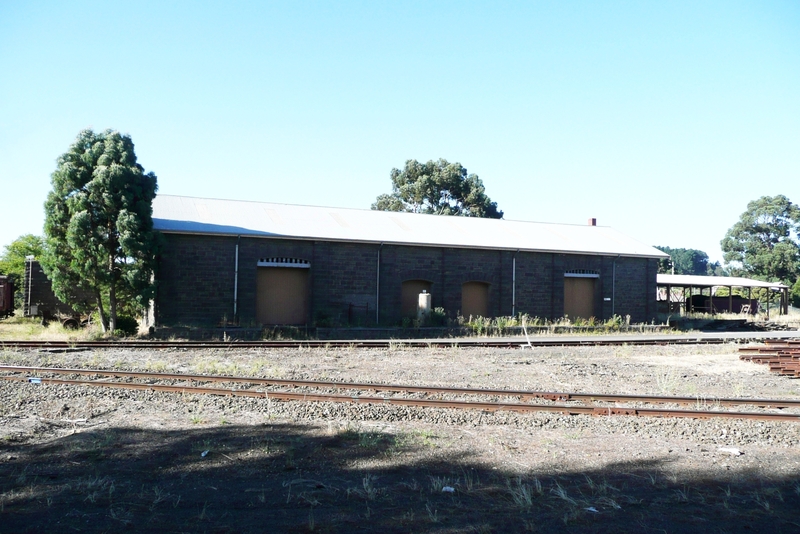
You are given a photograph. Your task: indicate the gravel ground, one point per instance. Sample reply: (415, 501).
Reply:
(344, 467)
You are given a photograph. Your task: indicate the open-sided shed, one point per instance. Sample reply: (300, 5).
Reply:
(682, 292)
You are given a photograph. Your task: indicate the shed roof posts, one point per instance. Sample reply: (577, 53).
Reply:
(687, 281)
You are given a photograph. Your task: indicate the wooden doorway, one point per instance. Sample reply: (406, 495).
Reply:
(282, 295)
(475, 299)
(579, 297)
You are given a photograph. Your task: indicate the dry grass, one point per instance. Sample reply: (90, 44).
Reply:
(792, 319)
(22, 329)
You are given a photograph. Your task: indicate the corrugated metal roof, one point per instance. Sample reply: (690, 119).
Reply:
(687, 280)
(179, 214)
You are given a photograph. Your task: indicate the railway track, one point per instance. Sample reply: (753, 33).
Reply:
(611, 407)
(383, 344)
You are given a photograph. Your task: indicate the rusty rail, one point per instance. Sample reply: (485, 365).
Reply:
(397, 388)
(358, 344)
(782, 357)
(487, 406)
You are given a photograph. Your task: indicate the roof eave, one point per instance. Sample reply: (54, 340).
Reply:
(412, 244)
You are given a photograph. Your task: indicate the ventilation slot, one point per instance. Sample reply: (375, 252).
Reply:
(284, 262)
(581, 273)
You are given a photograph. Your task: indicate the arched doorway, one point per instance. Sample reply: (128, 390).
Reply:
(409, 299)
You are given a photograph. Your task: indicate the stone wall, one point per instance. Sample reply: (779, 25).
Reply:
(196, 280)
(39, 299)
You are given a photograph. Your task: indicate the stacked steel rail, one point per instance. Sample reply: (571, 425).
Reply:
(534, 398)
(782, 357)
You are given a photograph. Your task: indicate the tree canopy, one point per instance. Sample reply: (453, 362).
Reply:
(684, 261)
(437, 187)
(99, 226)
(688, 261)
(794, 294)
(12, 260)
(763, 243)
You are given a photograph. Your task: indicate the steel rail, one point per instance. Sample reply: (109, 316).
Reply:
(319, 384)
(410, 343)
(782, 358)
(424, 403)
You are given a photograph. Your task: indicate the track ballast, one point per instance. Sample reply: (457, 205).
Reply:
(610, 402)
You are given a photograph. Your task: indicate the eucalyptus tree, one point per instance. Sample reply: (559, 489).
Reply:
(763, 243)
(437, 187)
(99, 226)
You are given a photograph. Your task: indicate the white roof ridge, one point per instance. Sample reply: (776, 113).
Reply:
(196, 215)
(403, 213)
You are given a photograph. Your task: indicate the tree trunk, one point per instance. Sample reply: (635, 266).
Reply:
(112, 295)
(112, 305)
(101, 311)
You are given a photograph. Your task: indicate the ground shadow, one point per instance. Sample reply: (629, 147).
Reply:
(298, 478)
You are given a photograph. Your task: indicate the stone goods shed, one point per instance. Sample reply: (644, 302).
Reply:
(260, 263)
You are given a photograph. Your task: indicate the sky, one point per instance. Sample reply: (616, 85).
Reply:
(660, 119)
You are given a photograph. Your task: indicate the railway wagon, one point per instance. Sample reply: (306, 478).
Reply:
(6, 297)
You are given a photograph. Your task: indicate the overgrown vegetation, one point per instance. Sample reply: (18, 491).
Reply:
(482, 326)
(504, 325)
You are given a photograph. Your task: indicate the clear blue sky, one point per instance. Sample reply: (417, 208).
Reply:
(660, 119)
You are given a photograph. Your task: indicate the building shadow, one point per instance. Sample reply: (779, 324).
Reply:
(304, 478)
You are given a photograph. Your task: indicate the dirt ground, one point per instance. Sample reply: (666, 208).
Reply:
(99, 460)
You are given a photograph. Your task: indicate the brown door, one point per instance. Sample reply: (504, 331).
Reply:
(475, 299)
(409, 300)
(282, 295)
(579, 297)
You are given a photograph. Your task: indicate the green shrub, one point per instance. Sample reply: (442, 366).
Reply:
(126, 326)
(614, 323)
(323, 320)
(479, 325)
(437, 317)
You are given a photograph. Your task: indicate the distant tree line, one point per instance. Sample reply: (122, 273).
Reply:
(688, 261)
